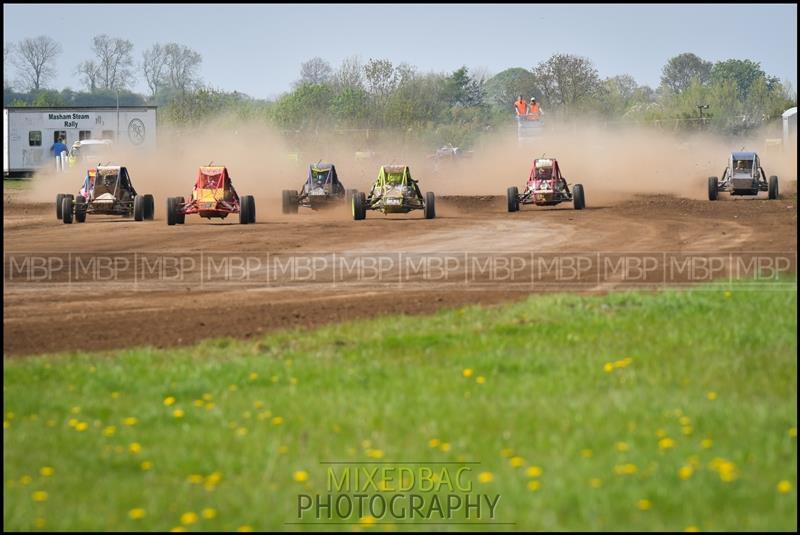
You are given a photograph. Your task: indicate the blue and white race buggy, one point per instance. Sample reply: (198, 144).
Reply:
(322, 188)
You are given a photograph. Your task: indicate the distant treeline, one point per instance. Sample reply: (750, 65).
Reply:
(730, 96)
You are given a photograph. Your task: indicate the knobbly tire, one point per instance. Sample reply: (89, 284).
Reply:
(512, 197)
(359, 206)
(578, 200)
(138, 208)
(772, 188)
(149, 207)
(59, 198)
(290, 202)
(170, 211)
(80, 209)
(713, 188)
(247, 211)
(66, 209)
(430, 205)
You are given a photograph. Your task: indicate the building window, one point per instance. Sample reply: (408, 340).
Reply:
(108, 134)
(35, 138)
(84, 134)
(60, 134)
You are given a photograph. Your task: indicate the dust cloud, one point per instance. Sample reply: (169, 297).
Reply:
(613, 163)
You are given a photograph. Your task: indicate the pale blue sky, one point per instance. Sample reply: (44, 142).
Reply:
(257, 49)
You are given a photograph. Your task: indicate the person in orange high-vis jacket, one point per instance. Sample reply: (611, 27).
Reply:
(535, 112)
(521, 106)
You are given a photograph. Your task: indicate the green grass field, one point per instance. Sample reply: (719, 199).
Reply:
(636, 411)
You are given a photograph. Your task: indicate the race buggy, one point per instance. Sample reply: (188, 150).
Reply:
(213, 197)
(546, 187)
(322, 188)
(106, 190)
(394, 192)
(743, 176)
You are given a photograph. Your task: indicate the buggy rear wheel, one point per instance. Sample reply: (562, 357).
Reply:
(247, 210)
(512, 195)
(772, 188)
(578, 200)
(170, 211)
(713, 188)
(290, 201)
(359, 205)
(430, 205)
(138, 208)
(149, 207)
(59, 198)
(80, 209)
(66, 209)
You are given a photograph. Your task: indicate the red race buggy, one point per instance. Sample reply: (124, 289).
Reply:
(213, 196)
(546, 187)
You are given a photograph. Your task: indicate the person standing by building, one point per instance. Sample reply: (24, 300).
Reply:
(58, 147)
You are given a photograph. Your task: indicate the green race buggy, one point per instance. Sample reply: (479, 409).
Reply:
(395, 192)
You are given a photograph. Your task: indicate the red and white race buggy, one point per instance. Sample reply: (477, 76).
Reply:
(213, 196)
(546, 187)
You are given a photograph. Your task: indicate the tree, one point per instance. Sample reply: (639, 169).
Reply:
(113, 61)
(680, 70)
(462, 90)
(566, 80)
(315, 71)
(504, 88)
(182, 64)
(350, 74)
(744, 73)
(35, 61)
(89, 74)
(154, 66)
(7, 48)
(381, 77)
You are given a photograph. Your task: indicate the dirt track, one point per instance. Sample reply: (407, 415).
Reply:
(57, 314)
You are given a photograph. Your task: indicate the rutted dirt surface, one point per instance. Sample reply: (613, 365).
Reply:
(56, 315)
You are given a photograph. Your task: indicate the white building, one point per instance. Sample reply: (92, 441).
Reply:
(29, 132)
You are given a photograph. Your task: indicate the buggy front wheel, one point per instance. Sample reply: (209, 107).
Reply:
(171, 211)
(138, 208)
(772, 188)
(578, 200)
(149, 207)
(59, 199)
(66, 209)
(512, 195)
(713, 188)
(359, 205)
(430, 205)
(80, 209)
(247, 210)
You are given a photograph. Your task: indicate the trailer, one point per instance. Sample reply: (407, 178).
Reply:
(29, 132)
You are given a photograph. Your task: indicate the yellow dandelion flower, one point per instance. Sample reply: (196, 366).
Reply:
(210, 406)
(706, 443)
(169, 400)
(608, 367)
(375, 454)
(480, 379)
(244, 529)
(258, 404)
(506, 452)
(195, 479)
(25, 480)
(135, 448)
(784, 487)
(711, 396)
(516, 461)
(727, 294)
(208, 513)
(534, 485)
(485, 477)
(214, 478)
(692, 529)
(242, 431)
(666, 443)
(685, 472)
(685, 420)
(39, 522)
(367, 520)
(178, 529)
(622, 446)
(595, 483)
(146, 465)
(137, 513)
(233, 388)
(445, 447)
(114, 395)
(188, 518)
(277, 420)
(300, 476)
(109, 431)
(72, 422)
(434, 442)
(586, 453)
(178, 413)
(39, 496)
(130, 421)
(47, 471)
(533, 471)
(792, 432)
(6, 424)
(253, 376)
(198, 403)
(467, 372)
(644, 505)
(687, 430)
(82, 426)
(625, 469)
